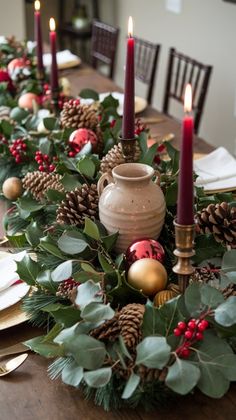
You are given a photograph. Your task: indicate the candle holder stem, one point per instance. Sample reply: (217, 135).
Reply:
(128, 149)
(184, 241)
(54, 101)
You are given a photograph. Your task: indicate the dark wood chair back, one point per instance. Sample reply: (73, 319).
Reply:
(182, 70)
(146, 59)
(104, 45)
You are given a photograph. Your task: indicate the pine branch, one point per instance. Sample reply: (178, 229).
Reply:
(56, 368)
(34, 304)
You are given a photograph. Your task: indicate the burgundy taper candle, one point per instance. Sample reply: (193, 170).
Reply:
(38, 36)
(53, 42)
(185, 214)
(128, 111)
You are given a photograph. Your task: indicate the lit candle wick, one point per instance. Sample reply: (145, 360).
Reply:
(188, 99)
(37, 5)
(52, 24)
(130, 27)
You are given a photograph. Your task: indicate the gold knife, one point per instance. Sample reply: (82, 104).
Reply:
(15, 349)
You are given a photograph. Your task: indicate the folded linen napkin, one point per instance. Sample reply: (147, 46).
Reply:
(216, 171)
(63, 57)
(12, 295)
(7, 270)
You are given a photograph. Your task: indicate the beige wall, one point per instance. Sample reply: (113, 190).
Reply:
(12, 18)
(206, 30)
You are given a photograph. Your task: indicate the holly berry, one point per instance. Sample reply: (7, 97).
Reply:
(192, 324)
(188, 334)
(177, 332)
(185, 352)
(44, 162)
(112, 123)
(199, 336)
(18, 150)
(182, 325)
(71, 154)
(202, 326)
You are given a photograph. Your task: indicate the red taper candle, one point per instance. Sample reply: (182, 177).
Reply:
(38, 36)
(128, 111)
(185, 214)
(53, 42)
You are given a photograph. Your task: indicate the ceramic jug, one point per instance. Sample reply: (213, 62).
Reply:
(131, 203)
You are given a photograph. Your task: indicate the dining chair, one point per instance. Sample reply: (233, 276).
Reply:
(146, 59)
(181, 70)
(104, 45)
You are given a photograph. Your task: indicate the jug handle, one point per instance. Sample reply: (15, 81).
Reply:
(157, 176)
(105, 178)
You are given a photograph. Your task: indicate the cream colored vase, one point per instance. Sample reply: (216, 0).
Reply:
(131, 203)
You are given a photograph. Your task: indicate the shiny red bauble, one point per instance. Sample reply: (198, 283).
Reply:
(79, 138)
(16, 63)
(144, 248)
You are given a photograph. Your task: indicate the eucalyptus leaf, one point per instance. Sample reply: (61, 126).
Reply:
(131, 386)
(98, 378)
(48, 244)
(72, 374)
(225, 314)
(192, 298)
(229, 261)
(212, 382)
(210, 296)
(62, 272)
(153, 352)
(44, 349)
(91, 229)
(96, 312)
(182, 376)
(88, 292)
(65, 315)
(72, 243)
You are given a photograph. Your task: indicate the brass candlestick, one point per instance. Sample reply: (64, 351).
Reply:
(128, 149)
(184, 241)
(40, 74)
(54, 101)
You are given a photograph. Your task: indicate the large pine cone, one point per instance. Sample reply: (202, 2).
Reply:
(130, 321)
(115, 157)
(219, 219)
(74, 115)
(127, 323)
(38, 183)
(78, 204)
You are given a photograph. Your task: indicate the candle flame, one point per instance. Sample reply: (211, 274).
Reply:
(188, 98)
(130, 26)
(37, 5)
(52, 24)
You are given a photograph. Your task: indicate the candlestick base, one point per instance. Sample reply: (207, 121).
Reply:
(128, 149)
(184, 241)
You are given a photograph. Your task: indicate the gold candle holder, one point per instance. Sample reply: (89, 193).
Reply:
(128, 149)
(40, 74)
(184, 242)
(54, 101)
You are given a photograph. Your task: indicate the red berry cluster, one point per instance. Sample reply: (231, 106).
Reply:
(73, 102)
(3, 139)
(18, 150)
(45, 162)
(112, 123)
(139, 127)
(191, 332)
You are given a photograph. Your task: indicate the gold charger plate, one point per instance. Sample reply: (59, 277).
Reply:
(70, 64)
(12, 316)
(140, 104)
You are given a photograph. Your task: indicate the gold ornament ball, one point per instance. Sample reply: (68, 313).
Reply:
(147, 275)
(163, 296)
(12, 188)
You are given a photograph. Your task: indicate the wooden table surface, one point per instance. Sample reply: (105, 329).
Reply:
(28, 393)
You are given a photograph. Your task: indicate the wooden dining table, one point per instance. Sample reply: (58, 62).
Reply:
(29, 394)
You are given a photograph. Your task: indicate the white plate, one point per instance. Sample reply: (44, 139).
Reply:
(12, 295)
(139, 103)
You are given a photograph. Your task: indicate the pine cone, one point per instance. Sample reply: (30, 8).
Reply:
(66, 288)
(81, 202)
(219, 219)
(4, 113)
(230, 290)
(109, 330)
(38, 183)
(74, 115)
(115, 157)
(130, 320)
(148, 374)
(202, 275)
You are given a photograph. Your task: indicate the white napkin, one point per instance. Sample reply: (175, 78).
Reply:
(2, 39)
(8, 276)
(12, 295)
(216, 171)
(63, 57)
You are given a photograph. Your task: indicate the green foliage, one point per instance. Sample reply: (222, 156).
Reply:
(182, 376)
(153, 352)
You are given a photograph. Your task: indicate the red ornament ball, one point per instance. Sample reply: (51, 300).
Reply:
(144, 248)
(15, 64)
(79, 138)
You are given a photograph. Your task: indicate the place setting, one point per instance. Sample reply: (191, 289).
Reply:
(118, 226)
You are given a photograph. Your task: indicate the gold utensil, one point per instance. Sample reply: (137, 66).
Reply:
(12, 364)
(15, 349)
(166, 137)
